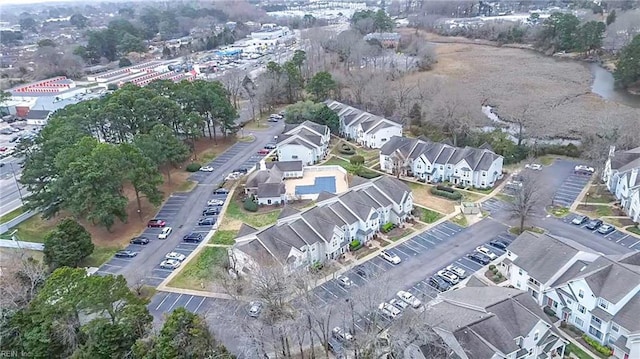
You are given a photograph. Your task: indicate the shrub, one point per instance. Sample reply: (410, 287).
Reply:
(569, 150)
(250, 205)
(193, 167)
(492, 267)
(548, 311)
(495, 278)
(387, 227)
(366, 173)
(456, 196)
(445, 188)
(604, 350)
(355, 245)
(495, 271)
(357, 160)
(346, 149)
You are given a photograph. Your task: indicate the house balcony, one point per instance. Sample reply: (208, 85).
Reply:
(533, 284)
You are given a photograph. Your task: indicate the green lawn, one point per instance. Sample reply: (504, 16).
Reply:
(201, 269)
(400, 234)
(603, 198)
(11, 215)
(470, 197)
(99, 256)
(603, 211)
(234, 211)
(186, 186)
(572, 348)
(224, 237)
(559, 211)
(547, 160)
(427, 215)
(34, 229)
(361, 171)
(480, 190)
(460, 220)
(516, 230)
(633, 229)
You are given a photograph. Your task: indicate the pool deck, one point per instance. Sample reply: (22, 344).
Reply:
(309, 180)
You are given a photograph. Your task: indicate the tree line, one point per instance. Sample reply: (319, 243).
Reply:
(84, 157)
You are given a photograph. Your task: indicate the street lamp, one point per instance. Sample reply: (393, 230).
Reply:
(586, 199)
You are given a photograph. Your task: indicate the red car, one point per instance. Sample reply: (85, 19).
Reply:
(2, 149)
(156, 223)
(263, 151)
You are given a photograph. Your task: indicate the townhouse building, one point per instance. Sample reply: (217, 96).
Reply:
(598, 294)
(437, 162)
(307, 142)
(366, 129)
(324, 232)
(620, 174)
(490, 322)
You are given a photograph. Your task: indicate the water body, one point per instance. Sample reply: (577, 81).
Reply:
(603, 86)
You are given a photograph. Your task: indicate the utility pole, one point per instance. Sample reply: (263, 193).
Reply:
(17, 183)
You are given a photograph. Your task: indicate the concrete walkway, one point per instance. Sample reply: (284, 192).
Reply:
(7, 243)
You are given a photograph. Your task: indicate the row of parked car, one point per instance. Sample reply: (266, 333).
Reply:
(594, 224)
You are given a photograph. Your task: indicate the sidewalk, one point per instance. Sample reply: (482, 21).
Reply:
(6, 243)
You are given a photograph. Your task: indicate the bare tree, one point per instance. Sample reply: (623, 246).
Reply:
(456, 110)
(233, 81)
(21, 277)
(526, 198)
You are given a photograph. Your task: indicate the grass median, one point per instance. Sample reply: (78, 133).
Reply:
(225, 237)
(200, 272)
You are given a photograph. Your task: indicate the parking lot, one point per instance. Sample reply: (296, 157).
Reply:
(623, 239)
(570, 189)
(165, 302)
(220, 160)
(494, 205)
(169, 210)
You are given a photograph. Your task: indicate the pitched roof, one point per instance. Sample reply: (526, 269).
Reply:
(609, 279)
(627, 316)
(288, 211)
(544, 259)
(38, 114)
(245, 229)
(351, 116)
(308, 134)
(285, 166)
(266, 190)
(324, 195)
(486, 319)
(439, 153)
(626, 160)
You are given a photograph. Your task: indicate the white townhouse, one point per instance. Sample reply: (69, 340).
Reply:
(621, 177)
(598, 294)
(437, 162)
(323, 232)
(490, 322)
(307, 142)
(366, 129)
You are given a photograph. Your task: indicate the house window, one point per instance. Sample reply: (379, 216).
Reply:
(428, 168)
(581, 293)
(383, 139)
(569, 301)
(536, 335)
(579, 322)
(268, 201)
(484, 174)
(615, 328)
(603, 304)
(520, 271)
(531, 351)
(582, 309)
(295, 157)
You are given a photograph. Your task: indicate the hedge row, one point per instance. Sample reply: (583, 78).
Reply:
(454, 196)
(606, 351)
(346, 149)
(193, 167)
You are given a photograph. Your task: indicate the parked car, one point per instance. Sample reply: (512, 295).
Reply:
(484, 250)
(344, 281)
(221, 191)
(409, 299)
(270, 146)
(215, 202)
(271, 119)
(514, 185)
(263, 151)
(361, 271)
(533, 166)
(389, 310)
(170, 264)
(208, 221)
(498, 243)
(402, 305)
(584, 169)
(580, 220)
(126, 254)
(606, 228)
(594, 224)
(457, 271)
(139, 240)
(206, 169)
(276, 115)
(241, 170)
(156, 223)
(448, 276)
(390, 257)
(193, 237)
(479, 258)
(255, 308)
(166, 231)
(175, 255)
(439, 283)
(341, 334)
(211, 211)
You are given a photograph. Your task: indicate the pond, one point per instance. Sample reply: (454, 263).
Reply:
(603, 86)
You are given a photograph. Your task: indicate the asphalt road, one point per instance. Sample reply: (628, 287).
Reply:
(9, 191)
(182, 211)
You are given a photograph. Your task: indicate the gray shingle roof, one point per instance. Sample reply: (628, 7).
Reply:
(245, 229)
(285, 166)
(37, 114)
(626, 160)
(266, 190)
(544, 259)
(325, 195)
(351, 116)
(438, 153)
(610, 280)
(287, 212)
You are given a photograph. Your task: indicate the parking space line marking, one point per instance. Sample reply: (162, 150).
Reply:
(415, 243)
(162, 302)
(189, 301)
(464, 265)
(174, 303)
(437, 230)
(319, 297)
(619, 240)
(339, 286)
(633, 245)
(406, 244)
(403, 252)
(330, 292)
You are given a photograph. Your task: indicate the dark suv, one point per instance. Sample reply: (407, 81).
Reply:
(439, 283)
(594, 224)
(479, 258)
(211, 211)
(139, 240)
(193, 237)
(208, 221)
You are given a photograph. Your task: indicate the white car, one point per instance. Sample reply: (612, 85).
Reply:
(166, 231)
(484, 250)
(341, 334)
(533, 166)
(409, 299)
(389, 310)
(206, 169)
(449, 277)
(170, 264)
(583, 168)
(457, 271)
(344, 281)
(175, 255)
(215, 202)
(402, 305)
(390, 257)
